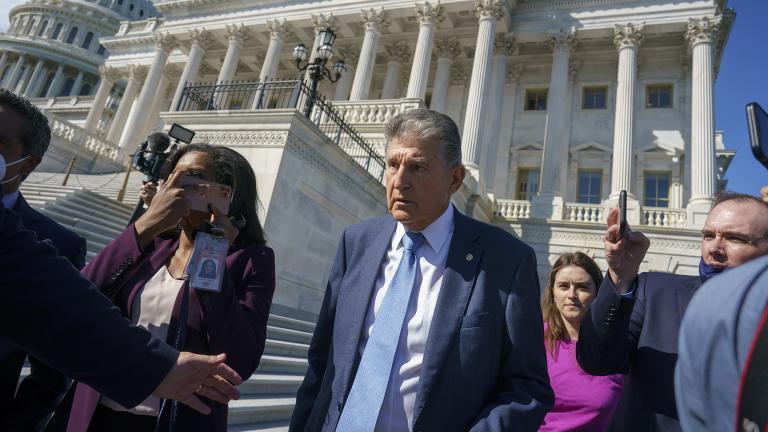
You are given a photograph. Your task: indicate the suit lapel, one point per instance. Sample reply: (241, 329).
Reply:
(354, 301)
(458, 280)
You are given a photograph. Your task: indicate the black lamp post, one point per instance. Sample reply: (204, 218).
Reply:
(317, 69)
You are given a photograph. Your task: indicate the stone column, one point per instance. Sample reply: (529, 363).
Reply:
(349, 55)
(164, 43)
(109, 77)
(159, 99)
(15, 74)
(627, 39)
(75, 90)
(505, 46)
(504, 171)
(702, 35)
(200, 42)
(277, 32)
(398, 52)
(488, 12)
(19, 89)
(236, 35)
(33, 80)
(37, 86)
(447, 51)
(374, 21)
(429, 17)
(3, 61)
(136, 75)
(58, 77)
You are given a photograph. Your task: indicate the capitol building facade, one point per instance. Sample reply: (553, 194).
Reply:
(561, 104)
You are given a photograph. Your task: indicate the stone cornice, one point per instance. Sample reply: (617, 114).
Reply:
(705, 30)
(69, 9)
(52, 50)
(428, 14)
(628, 36)
(489, 9)
(374, 19)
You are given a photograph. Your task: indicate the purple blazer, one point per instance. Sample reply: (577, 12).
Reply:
(233, 321)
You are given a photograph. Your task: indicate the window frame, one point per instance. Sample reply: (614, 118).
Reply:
(518, 182)
(657, 173)
(526, 96)
(587, 88)
(649, 87)
(599, 173)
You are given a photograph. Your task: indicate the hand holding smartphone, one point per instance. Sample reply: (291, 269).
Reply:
(622, 213)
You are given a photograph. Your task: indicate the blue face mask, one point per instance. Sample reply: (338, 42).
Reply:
(706, 272)
(4, 169)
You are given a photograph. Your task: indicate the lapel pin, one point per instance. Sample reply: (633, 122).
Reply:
(469, 257)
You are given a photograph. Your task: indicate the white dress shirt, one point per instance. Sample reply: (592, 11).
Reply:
(397, 409)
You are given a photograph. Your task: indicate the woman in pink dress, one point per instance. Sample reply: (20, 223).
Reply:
(582, 402)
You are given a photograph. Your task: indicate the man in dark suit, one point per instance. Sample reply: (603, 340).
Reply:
(41, 391)
(633, 324)
(431, 320)
(77, 330)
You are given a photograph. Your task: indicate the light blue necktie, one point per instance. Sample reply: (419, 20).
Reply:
(364, 402)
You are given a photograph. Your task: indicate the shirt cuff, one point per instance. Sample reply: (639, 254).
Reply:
(629, 295)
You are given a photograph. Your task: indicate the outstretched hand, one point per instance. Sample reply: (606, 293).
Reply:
(624, 252)
(202, 375)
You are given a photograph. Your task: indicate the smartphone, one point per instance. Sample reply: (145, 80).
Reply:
(622, 213)
(757, 121)
(201, 193)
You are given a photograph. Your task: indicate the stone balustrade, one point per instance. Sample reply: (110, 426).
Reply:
(664, 217)
(132, 27)
(591, 213)
(512, 209)
(374, 112)
(79, 137)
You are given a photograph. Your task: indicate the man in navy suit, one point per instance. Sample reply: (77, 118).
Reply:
(41, 391)
(633, 324)
(431, 319)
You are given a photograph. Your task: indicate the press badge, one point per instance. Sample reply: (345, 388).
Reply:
(208, 262)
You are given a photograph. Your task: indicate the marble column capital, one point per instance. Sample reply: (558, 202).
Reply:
(514, 72)
(165, 42)
(704, 30)
(237, 34)
(323, 21)
(628, 35)
(109, 74)
(278, 29)
(448, 47)
(428, 14)
(398, 51)
(563, 38)
(137, 72)
(573, 70)
(202, 38)
(505, 44)
(375, 19)
(489, 9)
(459, 75)
(171, 71)
(349, 54)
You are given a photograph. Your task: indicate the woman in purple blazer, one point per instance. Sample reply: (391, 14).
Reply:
(143, 272)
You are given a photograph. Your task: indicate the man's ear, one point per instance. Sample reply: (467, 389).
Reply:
(29, 165)
(457, 177)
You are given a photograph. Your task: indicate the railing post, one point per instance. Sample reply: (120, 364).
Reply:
(70, 167)
(121, 193)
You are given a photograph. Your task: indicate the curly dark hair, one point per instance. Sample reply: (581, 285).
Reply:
(37, 134)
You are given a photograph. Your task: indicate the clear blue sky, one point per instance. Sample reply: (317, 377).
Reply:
(743, 78)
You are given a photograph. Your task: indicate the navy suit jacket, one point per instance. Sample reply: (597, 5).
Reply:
(41, 391)
(638, 337)
(484, 365)
(76, 330)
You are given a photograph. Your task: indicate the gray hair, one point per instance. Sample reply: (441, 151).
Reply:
(37, 134)
(427, 125)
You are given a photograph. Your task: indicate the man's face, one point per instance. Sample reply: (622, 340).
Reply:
(419, 184)
(734, 233)
(12, 126)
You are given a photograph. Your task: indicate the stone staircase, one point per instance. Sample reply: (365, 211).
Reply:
(87, 205)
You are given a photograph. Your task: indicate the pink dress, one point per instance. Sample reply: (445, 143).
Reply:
(582, 402)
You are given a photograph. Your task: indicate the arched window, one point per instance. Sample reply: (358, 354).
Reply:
(85, 90)
(48, 81)
(141, 13)
(56, 31)
(42, 28)
(101, 50)
(30, 24)
(87, 41)
(71, 35)
(119, 2)
(67, 87)
(130, 7)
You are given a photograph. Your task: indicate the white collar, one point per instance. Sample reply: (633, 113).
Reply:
(9, 201)
(436, 233)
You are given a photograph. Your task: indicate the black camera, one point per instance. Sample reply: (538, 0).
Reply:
(151, 156)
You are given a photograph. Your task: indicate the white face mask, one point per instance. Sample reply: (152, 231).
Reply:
(4, 168)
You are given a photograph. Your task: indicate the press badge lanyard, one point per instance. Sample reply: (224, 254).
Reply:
(752, 404)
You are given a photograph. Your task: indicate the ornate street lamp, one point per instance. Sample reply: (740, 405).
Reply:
(317, 70)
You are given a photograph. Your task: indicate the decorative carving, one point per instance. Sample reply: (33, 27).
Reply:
(428, 14)
(278, 29)
(459, 75)
(238, 33)
(109, 73)
(628, 36)
(207, 69)
(350, 54)
(573, 70)
(705, 30)
(399, 51)
(171, 71)
(238, 138)
(165, 41)
(563, 39)
(323, 21)
(489, 9)
(137, 72)
(449, 47)
(375, 19)
(505, 44)
(514, 71)
(201, 38)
